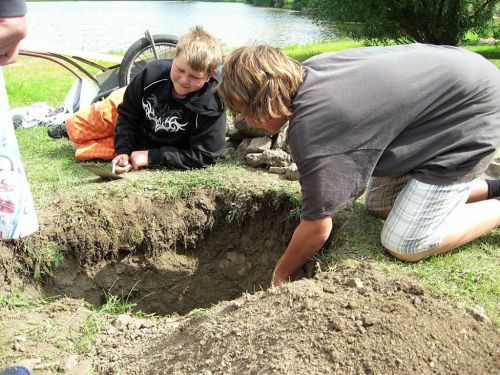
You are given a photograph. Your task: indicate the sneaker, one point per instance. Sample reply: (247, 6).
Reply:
(57, 131)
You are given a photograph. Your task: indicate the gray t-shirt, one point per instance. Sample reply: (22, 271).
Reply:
(12, 8)
(431, 111)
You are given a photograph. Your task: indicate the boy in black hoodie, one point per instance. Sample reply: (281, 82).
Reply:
(170, 115)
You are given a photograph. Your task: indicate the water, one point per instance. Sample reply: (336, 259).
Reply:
(105, 26)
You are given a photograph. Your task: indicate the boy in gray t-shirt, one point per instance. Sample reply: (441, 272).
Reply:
(417, 123)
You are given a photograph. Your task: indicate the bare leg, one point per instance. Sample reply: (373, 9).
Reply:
(467, 223)
(479, 191)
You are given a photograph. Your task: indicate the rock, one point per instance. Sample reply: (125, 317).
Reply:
(83, 367)
(122, 321)
(235, 257)
(277, 170)
(68, 363)
(367, 321)
(479, 314)
(292, 172)
(276, 158)
(242, 147)
(254, 160)
(355, 283)
(279, 140)
(259, 144)
(231, 306)
(19, 347)
(416, 290)
(350, 305)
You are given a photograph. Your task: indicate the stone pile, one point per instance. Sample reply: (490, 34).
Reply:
(259, 148)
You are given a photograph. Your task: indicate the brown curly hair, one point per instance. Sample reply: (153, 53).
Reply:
(260, 82)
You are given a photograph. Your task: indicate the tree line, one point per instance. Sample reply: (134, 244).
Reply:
(402, 21)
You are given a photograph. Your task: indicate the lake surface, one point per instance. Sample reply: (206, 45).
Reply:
(105, 26)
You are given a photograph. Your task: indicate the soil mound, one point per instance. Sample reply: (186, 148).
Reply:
(210, 257)
(348, 321)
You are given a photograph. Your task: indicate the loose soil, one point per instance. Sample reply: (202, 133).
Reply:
(202, 266)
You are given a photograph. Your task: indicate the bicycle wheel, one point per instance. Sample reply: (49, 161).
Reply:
(141, 53)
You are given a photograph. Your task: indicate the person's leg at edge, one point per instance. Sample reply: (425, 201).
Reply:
(17, 214)
(440, 219)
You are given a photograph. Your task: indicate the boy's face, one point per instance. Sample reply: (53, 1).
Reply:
(185, 79)
(274, 125)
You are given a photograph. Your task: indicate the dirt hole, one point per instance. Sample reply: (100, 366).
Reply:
(191, 258)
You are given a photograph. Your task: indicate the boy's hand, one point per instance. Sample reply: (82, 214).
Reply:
(277, 279)
(121, 164)
(12, 30)
(139, 159)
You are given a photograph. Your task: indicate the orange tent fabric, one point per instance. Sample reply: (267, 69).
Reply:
(92, 128)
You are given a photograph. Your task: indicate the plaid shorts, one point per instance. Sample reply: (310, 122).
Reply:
(417, 221)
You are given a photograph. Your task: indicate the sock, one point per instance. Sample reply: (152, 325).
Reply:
(493, 188)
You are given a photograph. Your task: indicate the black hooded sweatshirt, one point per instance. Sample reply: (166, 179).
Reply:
(178, 133)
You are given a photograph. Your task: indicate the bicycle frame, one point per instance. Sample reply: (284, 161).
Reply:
(70, 63)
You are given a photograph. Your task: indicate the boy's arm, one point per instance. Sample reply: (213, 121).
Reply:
(307, 239)
(206, 144)
(130, 114)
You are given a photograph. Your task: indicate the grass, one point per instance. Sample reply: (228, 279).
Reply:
(98, 319)
(18, 300)
(492, 52)
(32, 80)
(468, 276)
(303, 52)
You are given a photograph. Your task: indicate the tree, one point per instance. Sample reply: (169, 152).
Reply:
(424, 21)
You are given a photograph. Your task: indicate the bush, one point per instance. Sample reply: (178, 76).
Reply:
(403, 21)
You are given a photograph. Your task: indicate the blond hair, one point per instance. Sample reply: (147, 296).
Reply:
(260, 82)
(201, 50)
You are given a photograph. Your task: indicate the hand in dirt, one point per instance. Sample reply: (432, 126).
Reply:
(121, 164)
(12, 30)
(139, 159)
(277, 278)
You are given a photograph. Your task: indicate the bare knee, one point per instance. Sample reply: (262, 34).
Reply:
(412, 258)
(407, 250)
